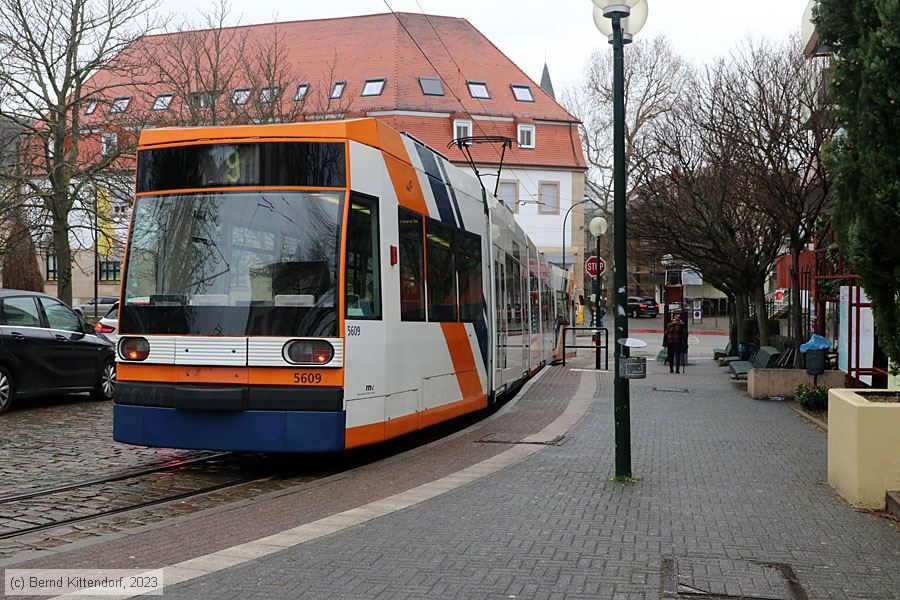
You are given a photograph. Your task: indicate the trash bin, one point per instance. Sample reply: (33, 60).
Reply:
(815, 362)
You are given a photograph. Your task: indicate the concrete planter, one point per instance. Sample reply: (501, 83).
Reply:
(764, 383)
(863, 447)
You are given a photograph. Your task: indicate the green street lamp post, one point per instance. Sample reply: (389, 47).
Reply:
(620, 20)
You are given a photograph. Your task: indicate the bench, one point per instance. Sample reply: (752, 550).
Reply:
(722, 352)
(764, 359)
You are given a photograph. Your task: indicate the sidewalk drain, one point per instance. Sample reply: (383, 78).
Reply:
(672, 390)
(723, 579)
(495, 438)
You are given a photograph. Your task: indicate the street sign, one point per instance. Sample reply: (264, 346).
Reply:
(593, 264)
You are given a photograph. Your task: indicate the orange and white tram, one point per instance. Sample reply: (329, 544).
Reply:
(316, 287)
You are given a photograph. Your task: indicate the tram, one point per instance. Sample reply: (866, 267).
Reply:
(315, 287)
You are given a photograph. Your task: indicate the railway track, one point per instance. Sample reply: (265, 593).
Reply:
(34, 511)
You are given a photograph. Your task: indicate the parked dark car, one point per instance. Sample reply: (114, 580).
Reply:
(642, 307)
(45, 348)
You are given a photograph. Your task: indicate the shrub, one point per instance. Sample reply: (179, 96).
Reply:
(812, 397)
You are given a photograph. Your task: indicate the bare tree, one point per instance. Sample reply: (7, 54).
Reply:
(222, 74)
(49, 51)
(655, 78)
(698, 204)
(780, 126)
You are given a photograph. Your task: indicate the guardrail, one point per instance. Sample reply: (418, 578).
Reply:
(596, 345)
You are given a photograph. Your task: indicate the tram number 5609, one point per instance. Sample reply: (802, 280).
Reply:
(354, 330)
(307, 378)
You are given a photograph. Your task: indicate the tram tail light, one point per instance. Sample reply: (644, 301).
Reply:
(309, 352)
(134, 348)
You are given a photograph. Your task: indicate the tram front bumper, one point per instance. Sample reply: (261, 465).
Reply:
(240, 431)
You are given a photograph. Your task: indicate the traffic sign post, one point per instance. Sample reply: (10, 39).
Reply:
(594, 266)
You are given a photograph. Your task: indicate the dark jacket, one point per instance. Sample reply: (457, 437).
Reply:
(675, 333)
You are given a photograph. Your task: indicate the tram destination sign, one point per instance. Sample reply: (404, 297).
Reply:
(224, 165)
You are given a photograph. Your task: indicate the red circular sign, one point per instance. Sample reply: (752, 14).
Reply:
(594, 264)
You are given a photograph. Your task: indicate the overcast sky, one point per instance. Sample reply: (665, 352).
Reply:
(561, 30)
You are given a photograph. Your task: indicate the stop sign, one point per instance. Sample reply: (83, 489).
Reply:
(595, 265)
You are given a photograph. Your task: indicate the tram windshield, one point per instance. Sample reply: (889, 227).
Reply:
(234, 264)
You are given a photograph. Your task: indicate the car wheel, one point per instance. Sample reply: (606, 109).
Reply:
(7, 390)
(634, 314)
(106, 382)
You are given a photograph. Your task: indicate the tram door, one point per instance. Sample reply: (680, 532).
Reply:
(501, 315)
(364, 324)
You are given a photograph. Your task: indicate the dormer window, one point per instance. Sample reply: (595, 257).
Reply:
(338, 90)
(267, 95)
(373, 87)
(240, 96)
(526, 136)
(91, 107)
(300, 94)
(522, 93)
(431, 86)
(119, 105)
(462, 129)
(162, 102)
(478, 89)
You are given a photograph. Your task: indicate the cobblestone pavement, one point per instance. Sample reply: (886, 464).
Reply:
(45, 442)
(731, 500)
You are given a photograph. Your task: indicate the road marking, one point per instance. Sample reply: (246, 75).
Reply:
(242, 553)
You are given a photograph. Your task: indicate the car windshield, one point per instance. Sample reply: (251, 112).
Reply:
(234, 263)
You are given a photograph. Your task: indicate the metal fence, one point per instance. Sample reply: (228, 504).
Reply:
(596, 345)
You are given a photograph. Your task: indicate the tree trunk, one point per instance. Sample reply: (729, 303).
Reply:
(740, 314)
(762, 313)
(20, 263)
(63, 252)
(796, 307)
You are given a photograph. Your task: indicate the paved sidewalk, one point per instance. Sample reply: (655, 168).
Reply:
(731, 500)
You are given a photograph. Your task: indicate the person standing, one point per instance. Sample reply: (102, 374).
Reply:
(675, 337)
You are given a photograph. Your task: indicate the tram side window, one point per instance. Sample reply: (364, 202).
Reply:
(363, 276)
(469, 276)
(439, 251)
(412, 272)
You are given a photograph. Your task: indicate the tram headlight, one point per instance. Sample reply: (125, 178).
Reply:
(309, 352)
(134, 348)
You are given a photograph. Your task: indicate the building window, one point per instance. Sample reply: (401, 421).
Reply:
(469, 277)
(162, 101)
(108, 143)
(50, 263)
(548, 195)
(508, 194)
(267, 95)
(412, 266)
(91, 107)
(119, 105)
(338, 90)
(478, 89)
(523, 93)
(240, 96)
(462, 129)
(109, 269)
(300, 94)
(441, 275)
(431, 86)
(373, 87)
(363, 267)
(526, 136)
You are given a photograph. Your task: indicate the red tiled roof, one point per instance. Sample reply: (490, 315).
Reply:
(395, 47)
